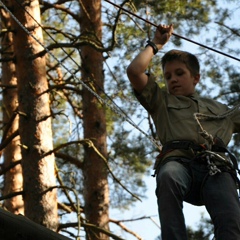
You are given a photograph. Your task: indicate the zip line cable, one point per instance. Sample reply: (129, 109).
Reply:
(122, 114)
(69, 56)
(174, 34)
(115, 109)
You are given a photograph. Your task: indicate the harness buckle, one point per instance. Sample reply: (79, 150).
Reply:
(213, 169)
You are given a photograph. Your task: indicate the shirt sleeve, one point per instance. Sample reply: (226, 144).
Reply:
(236, 120)
(151, 96)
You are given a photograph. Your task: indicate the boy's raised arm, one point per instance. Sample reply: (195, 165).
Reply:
(136, 69)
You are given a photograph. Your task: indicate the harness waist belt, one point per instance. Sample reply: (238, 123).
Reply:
(182, 144)
(218, 146)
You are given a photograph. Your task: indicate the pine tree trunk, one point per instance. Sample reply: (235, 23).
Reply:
(96, 190)
(13, 180)
(35, 121)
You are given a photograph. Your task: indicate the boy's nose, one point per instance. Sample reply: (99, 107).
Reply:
(173, 79)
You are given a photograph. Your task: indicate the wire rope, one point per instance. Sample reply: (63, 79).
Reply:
(113, 108)
(116, 109)
(174, 34)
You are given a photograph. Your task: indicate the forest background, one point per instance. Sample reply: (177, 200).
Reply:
(76, 146)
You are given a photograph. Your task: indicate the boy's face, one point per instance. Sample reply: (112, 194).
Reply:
(179, 79)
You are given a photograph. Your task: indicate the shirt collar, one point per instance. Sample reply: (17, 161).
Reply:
(195, 96)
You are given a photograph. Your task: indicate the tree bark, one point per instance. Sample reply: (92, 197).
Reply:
(96, 189)
(13, 180)
(35, 121)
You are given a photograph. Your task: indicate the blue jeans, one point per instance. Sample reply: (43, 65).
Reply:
(181, 180)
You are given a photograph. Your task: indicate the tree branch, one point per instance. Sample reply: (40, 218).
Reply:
(232, 30)
(110, 171)
(89, 226)
(120, 224)
(12, 165)
(10, 195)
(69, 159)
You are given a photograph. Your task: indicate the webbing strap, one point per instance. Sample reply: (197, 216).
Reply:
(187, 145)
(222, 149)
(182, 144)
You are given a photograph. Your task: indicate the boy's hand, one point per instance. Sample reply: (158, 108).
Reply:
(162, 34)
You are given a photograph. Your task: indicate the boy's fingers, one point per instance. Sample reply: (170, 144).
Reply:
(165, 28)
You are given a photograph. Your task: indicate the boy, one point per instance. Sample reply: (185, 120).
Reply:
(192, 166)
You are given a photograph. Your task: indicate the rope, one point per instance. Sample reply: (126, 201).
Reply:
(174, 34)
(124, 116)
(211, 156)
(197, 116)
(205, 117)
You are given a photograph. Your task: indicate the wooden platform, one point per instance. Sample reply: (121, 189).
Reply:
(18, 227)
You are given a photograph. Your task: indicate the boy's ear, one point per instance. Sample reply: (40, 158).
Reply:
(196, 79)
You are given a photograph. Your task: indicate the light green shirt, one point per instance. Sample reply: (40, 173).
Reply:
(173, 117)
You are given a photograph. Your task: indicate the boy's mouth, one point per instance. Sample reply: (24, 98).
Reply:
(175, 87)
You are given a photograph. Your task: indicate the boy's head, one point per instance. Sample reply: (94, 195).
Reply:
(187, 58)
(181, 72)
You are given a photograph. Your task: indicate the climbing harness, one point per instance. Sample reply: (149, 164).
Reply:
(215, 162)
(216, 144)
(213, 154)
(202, 154)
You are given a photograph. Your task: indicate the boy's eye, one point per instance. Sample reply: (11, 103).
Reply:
(180, 72)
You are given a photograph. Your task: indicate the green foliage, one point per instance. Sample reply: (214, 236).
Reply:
(204, 230)
(130, 160)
